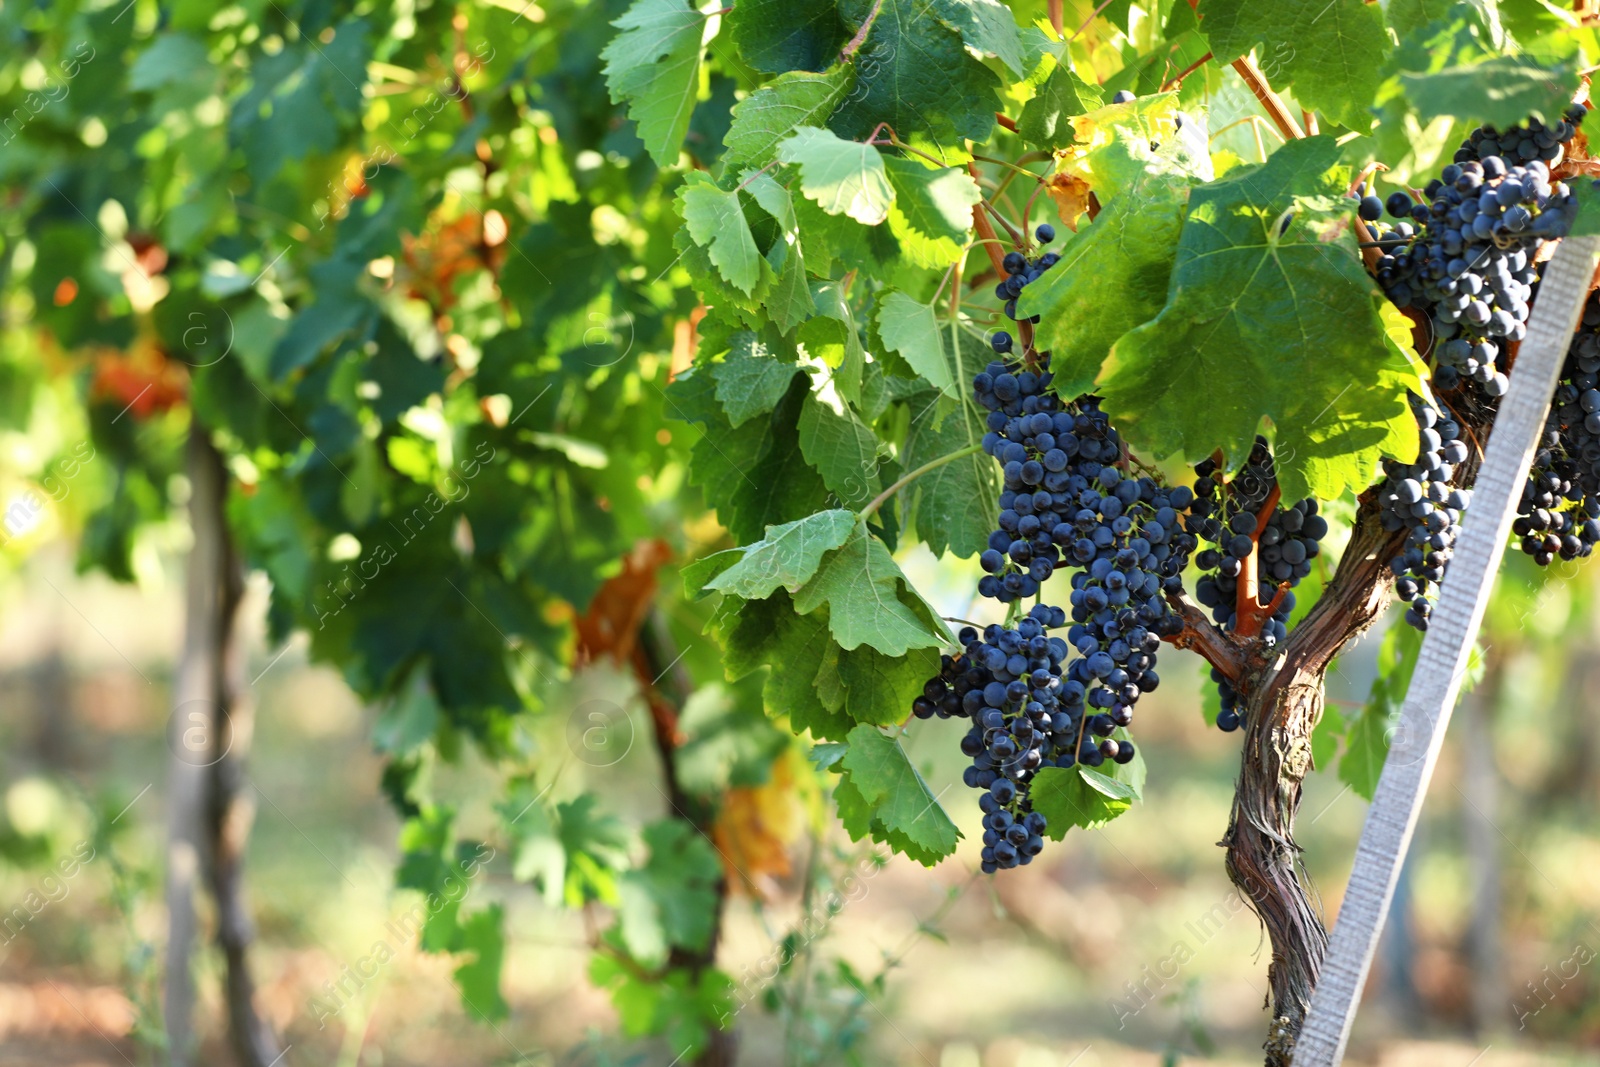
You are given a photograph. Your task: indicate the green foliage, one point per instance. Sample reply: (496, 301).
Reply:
(1330, 52)
(670, 901)
(1367, 738)
(1261, 264)
(653, 65)
(435, 302)
(882, 795)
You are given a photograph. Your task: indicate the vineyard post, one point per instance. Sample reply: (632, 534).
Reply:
(1444, 656)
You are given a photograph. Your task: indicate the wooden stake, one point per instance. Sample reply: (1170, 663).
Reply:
(1392, 818)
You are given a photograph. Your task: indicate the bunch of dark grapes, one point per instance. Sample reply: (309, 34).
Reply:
(1020, 270)
(1523, 143)
(1008, 683)
(1228, 516)
(1559, 515)
(1466, 256)
(1419, 497)
(1032, 439)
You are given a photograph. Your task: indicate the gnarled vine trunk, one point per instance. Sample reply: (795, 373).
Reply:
(1282, 693)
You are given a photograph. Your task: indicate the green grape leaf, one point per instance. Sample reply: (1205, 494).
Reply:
(789, 303)
(901, 810)
(797, 649)
(653, 66)
(1367, 737)
(752, 379)
(1079, 796)
(986, 26)
(952, 507)
(842, 177)
(716, 221)
(765, 118)
(671, 901)
(787, 557)
(932, 211)
(842, 450)
(832, 337)
(479, 978)
(1112, 277)
(911, 330)
(1043, 121)
(788, 35)
(570, 853)
(879, 689)
(917, 76)
(862, 587)
(1500, 91)
(684, 1007)
(1330, 52)
(1587, 192)
(1265, 265)
(1408, 16)
(754, 475)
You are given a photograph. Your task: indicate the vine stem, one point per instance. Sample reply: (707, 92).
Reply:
(980, 222)
(1276, 109)
(1177, 79)
(877, 502)
(1057, 16)
(861, 35)
(1247, 605)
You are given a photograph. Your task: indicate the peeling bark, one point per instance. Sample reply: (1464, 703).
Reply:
(1283, 697)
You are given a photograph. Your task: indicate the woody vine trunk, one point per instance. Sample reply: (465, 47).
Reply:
(1283, 695)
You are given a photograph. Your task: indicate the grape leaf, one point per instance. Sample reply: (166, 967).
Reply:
(1408, 16)
(832, 336)
(788, 35)
(653, 65)
(670, 901)
(952, 507)
(1079, 796)
(1367, 738)
(902, 810)
(1112, 277)
(842, 177)
(752, 379)
(932, 211)
(912, 331)
(917, 76)
(1587, 192)
(788, 556)
(716, 222)
(1331, 52)
(797, 649)
(1265, 265)
(986, 26)
(842, 450)
(862, 587)
(789, 303)
(879, 689)
(1063, 95)
(762, 120)
(777, 486)
(478, 979)
(1500, 91)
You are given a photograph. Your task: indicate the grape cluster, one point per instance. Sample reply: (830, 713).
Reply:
(1523, 143)
(1020, 270)
(1465, 257)
(1559, 514)
(1419, 497)
(1228, 517)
